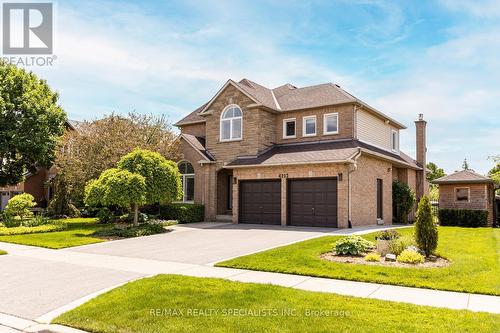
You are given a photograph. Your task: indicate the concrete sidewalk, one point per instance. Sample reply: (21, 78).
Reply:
(134, 268)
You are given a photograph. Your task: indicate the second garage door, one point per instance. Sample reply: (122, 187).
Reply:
(260, 202)
(313, 202)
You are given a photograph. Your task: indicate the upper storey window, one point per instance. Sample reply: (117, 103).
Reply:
(309, 126)
(331, 123)
(231, 123)
(289, 128)
(394, 140)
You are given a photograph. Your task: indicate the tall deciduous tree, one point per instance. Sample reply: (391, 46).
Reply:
(31, 123)
(435, 172)
(162, 177)
(98, 145)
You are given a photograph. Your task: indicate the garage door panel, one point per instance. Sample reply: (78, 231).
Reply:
(313, 202)
(260, 202)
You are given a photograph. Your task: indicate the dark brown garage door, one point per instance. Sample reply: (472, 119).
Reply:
(313, 202)
(260, 202)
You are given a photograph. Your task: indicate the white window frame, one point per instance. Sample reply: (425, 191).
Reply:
(394, 140)
(183, 181)
(464, 188)
(231, 138)
(285, 121)
(304, 119)
(325, 128)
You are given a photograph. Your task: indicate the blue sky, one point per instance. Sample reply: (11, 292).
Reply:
(440, 58)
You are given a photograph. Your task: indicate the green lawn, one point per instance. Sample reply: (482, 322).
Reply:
(77, 233)
(474, 254)
(173, 303)
(2, 252)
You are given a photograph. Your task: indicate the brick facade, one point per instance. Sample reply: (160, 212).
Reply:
(262, 128)
(480, 197)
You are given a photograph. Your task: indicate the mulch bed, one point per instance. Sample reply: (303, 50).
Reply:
(433, 263)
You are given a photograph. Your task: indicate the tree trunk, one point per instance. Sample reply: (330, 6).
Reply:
(136, 214)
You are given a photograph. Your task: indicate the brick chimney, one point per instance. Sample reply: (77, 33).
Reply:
(420, 125)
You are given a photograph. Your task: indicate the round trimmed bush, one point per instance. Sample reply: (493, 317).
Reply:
(410, 257)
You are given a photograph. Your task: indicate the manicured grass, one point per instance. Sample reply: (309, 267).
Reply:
(474, 254)
(77, 233)
(167, 303)
(2, 252)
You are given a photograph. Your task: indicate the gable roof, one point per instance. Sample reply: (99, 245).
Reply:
(327, 151)
(198, 144)
(462, 177)
(288, 98)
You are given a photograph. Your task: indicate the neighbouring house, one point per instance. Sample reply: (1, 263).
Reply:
(311, 156)
(467, 190)
(38, 184)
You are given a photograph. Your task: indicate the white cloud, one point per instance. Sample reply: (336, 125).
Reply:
(481, 8)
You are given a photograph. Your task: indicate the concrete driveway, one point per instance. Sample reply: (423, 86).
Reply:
(38, 283)
(205, 243)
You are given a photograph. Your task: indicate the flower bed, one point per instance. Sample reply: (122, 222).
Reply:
(430, 263)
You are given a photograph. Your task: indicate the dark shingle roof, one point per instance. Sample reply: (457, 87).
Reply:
(197, 143)
(463, 176)
(311, 152)
(288, 97)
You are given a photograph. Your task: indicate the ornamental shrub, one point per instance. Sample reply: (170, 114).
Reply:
(353, 245)
(19, 206)
(426, 233)
(388, 234)
(372, 256)
(410, 257)
(398, 245)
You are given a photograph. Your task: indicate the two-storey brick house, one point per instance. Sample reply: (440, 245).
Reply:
(313, 156)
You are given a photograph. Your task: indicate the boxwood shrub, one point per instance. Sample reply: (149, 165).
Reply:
(184, 213)
(463, 217)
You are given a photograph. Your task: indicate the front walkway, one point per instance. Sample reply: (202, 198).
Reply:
(40, 284)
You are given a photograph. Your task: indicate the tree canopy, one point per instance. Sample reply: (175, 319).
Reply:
(98, 145)
(116, 187)
(163, 179)
(435, 172)
(31, 123)
(141, 177)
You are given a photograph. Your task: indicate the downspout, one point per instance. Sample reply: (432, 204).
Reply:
(353, 166)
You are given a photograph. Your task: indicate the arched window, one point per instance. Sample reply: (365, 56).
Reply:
(187, 178)
(231, 123)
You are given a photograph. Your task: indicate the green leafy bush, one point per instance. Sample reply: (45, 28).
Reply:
(145, 229)
(184, 213)
(463, 217)
(410, 257)
(353, 245)
(388, 234)
(398, 245)
(35, 221)
(104, 215)
(19, 206)
(32, 230)
(426, 233)
(372, 256)
(403, 199)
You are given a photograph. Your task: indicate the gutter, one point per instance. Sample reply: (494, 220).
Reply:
(349, 160)
(354, 165)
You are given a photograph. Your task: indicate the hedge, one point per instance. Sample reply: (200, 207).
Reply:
(32, 230)
(184, 213)
(463, 217)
